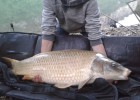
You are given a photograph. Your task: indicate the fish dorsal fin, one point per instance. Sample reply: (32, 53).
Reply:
(62, 86)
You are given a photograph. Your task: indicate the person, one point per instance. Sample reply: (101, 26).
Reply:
(71, 16)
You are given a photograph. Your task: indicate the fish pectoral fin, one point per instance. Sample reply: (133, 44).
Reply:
(82, 84)
(62, 86)
(91, 80)
(26, 77)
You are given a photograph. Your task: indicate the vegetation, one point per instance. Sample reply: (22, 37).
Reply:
(26, 14)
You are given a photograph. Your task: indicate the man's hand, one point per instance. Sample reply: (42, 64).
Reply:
(99, 49)
(46, 45)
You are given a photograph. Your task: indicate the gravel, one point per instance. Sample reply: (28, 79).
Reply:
(123, 31)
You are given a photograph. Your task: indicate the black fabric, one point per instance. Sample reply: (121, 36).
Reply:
(8, 76)
(125, 50)
(130, 98)
(17, 45)
(24, 95)
(4, 89)
(129, 87)
(1, 76)
(100, 90)
(65, 42)
(71, 42)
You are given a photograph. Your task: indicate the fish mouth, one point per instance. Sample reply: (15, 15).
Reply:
(126, 73)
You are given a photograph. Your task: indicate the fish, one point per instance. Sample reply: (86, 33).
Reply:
(67, 68)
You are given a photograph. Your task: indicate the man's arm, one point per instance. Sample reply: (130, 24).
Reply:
(46, 45)
(100, 49)
(93, 26)
(48, 26)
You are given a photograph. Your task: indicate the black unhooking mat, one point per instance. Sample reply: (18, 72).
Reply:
(126, 50)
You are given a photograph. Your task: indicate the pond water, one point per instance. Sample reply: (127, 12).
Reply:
(128, 21)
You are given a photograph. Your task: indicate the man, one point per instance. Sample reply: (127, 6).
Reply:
(73, 16)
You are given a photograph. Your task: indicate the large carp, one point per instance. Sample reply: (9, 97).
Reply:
(69, 68)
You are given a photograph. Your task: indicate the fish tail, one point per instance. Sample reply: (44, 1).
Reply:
(10, 62)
